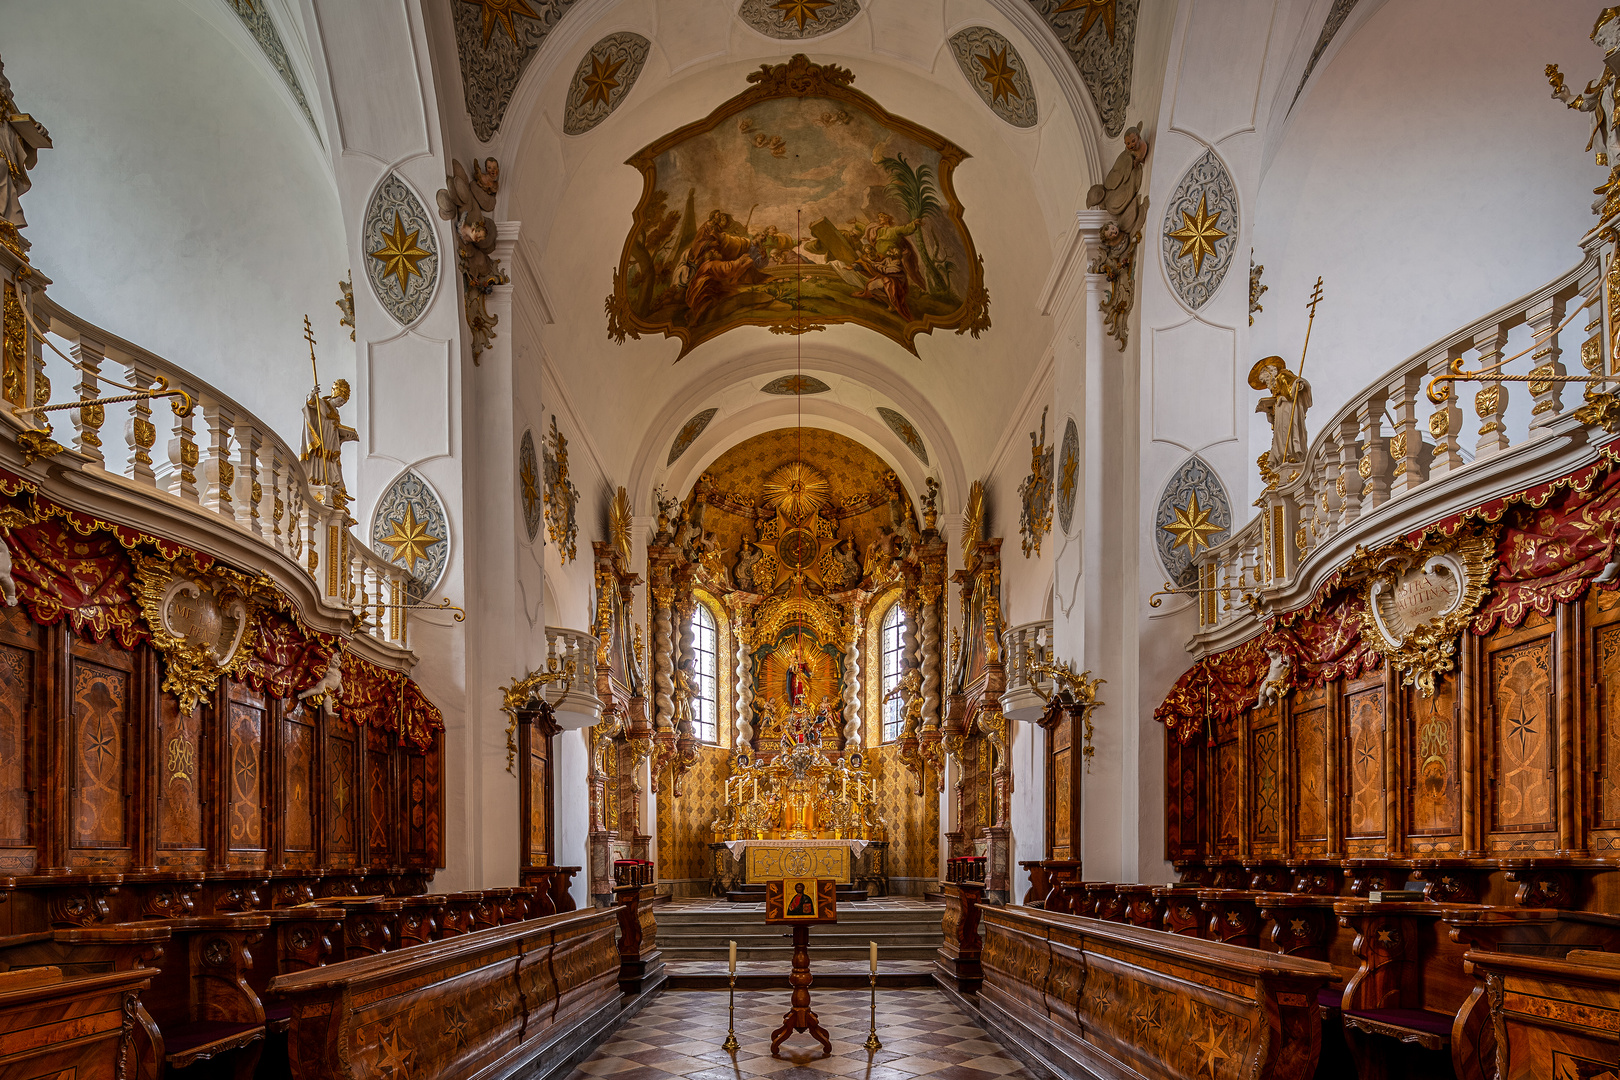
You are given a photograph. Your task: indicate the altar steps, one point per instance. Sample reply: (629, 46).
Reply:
(693, 935)
(755, 894)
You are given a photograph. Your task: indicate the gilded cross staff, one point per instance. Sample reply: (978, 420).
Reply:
(1293, 400)
(309, 336)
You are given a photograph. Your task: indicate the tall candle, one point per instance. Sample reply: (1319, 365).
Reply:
(734, 957)
(874, 956)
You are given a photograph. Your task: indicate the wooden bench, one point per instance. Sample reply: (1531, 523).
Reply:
(1112, 1000)
(484, 1003)
(56, 1025)
(960, 952)
(1550, 1017)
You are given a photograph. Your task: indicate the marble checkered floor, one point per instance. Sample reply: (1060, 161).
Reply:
(679, 1034)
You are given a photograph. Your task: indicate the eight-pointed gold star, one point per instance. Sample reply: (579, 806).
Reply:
(1070, 467)
(600, 83)
(1192, 527)
(1199, 234)
(1094, 9)
(531, 484)
(502, 11)
(802, 10)
(410, 540)
(400, 253)
(998, 74)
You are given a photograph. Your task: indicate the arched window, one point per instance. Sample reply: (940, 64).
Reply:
(705, 692)
(894, 650)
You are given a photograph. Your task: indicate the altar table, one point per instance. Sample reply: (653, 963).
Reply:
(766, 859)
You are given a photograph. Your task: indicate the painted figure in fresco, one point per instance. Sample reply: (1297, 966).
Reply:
(888, 256)
(721, 259)
(1285, 405)
(1120, 191)
(324, 436)
(21, 140)
(1600, 98)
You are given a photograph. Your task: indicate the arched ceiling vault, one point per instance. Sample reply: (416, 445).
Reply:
(1019, 188)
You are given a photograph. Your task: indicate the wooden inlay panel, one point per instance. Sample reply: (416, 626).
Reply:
(1267, 797)
(378, 805)
(340, 798)
(1365, 765)
(1310, 772)
(1521, 685)
(1436, 802)
(16, 702)
(180, 812)
(96, 750)
(245, 758)
(537, 802)
(1226, 793)
(1606, 663)
(298, 756)
(1062, 801)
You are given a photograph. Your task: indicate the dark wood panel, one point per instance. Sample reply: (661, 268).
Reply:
(180, 838)
(244, 743)
(379, 797)
(99, 722)
(18, 674)
(1435, 803)
(1310, 773)
(1266, 768)
(298, 764)
(342, 792)
(1364, 764)
(1519, 700)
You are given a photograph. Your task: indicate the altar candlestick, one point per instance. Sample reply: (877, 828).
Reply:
(734, 956)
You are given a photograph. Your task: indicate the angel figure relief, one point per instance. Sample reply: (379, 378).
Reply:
(467, 201)
(1599, 99)
(1115, 257)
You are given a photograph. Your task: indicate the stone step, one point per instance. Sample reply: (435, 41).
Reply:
(817, 953)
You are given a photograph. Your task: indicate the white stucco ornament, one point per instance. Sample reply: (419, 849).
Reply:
(1200, 231)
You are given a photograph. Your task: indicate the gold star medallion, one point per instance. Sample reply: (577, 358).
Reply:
(400, 253)
(410, 540)
(1071, 466)
(998, 75)
(1198, 234)
(531, 485)
(1094, 9)
(502, 11)
(600, 83)
(802, 10)
(1192, 527)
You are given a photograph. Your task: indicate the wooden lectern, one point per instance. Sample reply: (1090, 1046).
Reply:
(799, 902)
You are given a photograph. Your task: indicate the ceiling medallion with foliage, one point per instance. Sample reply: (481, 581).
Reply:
(200, 622)
(1419, 599)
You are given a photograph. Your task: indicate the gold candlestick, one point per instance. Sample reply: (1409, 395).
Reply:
(731, 1042)
(872, 1042)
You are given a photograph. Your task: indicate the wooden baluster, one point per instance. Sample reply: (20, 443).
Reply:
(1445, 423)
(1349, 482)
(397, 622)
(1406, 443)
(1491, 402)
(139, 431)
(249, 486)
(1548, 358)
(183, 454)
(218, 471)
(88, 419)
(1375, 464)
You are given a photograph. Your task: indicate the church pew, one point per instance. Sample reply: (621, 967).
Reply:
(299, 938)
(1182, 915)
(960, 951)
(419, 919)
(1059, 871)
(1233, 916)
(484, 1003)
(1138, 906)
(1117, 1001)
(1550, 1017)
(1035, 896)
(64, 1026)
(641, 963)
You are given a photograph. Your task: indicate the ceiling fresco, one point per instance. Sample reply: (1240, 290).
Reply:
(798, 204)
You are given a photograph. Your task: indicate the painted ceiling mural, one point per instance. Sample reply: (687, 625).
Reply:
(402, 252)
(1100, 36)
(798, 204)
(496, 39)
(1200, 230)
(797, 19)
(603, 79)
(997, 74)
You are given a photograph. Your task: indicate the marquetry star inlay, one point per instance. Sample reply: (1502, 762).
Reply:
(410, 539)
(393, 1056)
(1521, 727)
(1213, 1051)
(600, 83)
(400, 253)
(1192, 526)
(1198, 234)
(502, 11)
(998, 75)
(1094, 9)
(802, 11)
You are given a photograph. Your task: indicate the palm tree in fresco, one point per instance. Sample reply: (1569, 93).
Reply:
(913, 187)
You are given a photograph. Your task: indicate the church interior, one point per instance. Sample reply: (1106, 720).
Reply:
(536, 535)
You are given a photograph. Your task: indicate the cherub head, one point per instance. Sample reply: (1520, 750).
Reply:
(1135, 143)
(490, 178)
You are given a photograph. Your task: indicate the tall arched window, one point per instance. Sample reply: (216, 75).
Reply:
(705, 694)
(894, 651)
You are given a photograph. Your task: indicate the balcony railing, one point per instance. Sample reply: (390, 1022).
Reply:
(1379, 455)
(218, 461)
(1026, 646)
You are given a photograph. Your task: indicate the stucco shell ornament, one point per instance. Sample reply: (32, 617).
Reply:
(409, 528)
(1194, 513)
(1200, 231)
(402, 252)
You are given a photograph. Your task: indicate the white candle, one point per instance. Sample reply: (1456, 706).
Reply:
(874, 956)
(734, 957)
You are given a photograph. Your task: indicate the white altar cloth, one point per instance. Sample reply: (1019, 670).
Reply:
(739, 847)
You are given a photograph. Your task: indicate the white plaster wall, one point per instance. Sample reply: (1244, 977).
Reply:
(187, 206)
(1429, 177)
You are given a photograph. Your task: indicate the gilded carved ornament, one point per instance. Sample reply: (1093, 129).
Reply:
(1076, 693)
(1419, 600)
(520, 695)
(200, 622)
(1035, 493)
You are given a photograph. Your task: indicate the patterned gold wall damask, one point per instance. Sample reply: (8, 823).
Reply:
(684, 832)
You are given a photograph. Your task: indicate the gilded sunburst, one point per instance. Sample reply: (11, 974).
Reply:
(797, 490)
(999, 75)
(1198, 234)
(400, 253)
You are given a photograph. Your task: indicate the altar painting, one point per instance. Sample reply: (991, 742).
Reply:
(798, 204)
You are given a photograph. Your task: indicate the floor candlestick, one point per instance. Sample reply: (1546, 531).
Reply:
(731, 1042)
